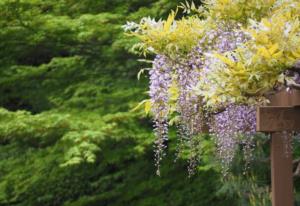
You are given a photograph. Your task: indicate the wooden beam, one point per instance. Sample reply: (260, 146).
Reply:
(286, 98)
(277, 118)
(295, 93)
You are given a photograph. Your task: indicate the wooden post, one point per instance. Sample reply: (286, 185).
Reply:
(283, 114)
(281, 171)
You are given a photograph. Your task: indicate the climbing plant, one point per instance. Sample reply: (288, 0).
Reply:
(214, 65)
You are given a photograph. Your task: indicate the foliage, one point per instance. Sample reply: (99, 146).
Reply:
(243, 74)
(168, 37)
(260, 64)
(243, 52)
(237, 10)
(122, 174)
(67, 136)
(36, 131)
(67, 85)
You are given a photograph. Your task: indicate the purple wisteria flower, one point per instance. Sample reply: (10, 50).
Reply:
(189, 106)
(160, 81)
(228, 126)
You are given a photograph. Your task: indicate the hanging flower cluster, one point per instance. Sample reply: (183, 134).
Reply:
(229, 126)
(160, 81)
(216, 64)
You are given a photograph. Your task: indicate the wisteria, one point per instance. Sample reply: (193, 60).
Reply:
(223, 39)
(228, 126)
(220, 40)
(189, 107)
(213, 68)
(188, 103)
(193, 119)
(160, 81)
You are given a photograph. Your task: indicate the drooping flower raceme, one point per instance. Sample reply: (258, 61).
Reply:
(160, 82)
(228, 126)
(189, 106)
(188, 103)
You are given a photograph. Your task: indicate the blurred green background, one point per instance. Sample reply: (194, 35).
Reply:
(67, 135)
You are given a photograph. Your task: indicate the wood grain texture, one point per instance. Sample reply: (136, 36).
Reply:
(282, 171)
(276, 118)
(282, 114)
(286, 98)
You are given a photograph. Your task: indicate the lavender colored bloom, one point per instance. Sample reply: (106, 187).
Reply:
(223, 39)
(189, 104)
(189, 73)
(160, 81)
(228, 125)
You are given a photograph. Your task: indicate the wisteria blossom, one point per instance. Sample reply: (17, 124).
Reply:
(228, 126)
(188, 73)
(160, 81)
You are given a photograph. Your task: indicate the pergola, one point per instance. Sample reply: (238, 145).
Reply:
(281, 115)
